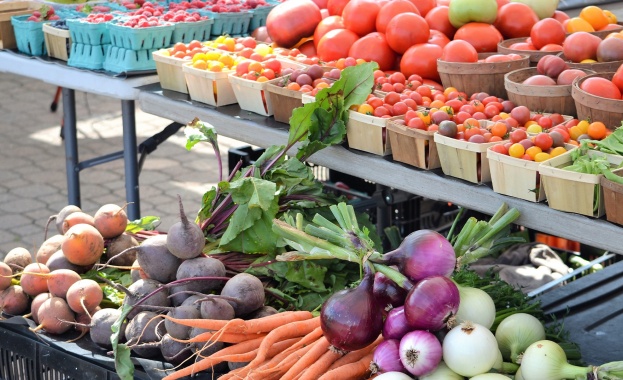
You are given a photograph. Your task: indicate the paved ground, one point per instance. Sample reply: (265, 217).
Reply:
(32, 166)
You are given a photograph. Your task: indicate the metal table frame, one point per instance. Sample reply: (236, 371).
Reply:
(72, 79)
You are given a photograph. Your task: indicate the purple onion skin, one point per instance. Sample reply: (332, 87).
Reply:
(431, 303)
(387, 292)
(387, 357)
(351, 319)
(396, 325)
(420, 352)
(422, 254)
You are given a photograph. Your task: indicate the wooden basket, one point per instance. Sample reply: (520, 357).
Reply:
(598, 67)
(463, 159)
(170, 72)
(412, 146)
(608, 111)
(283, 99)
(570, 191)
(367, 133)
(604, 33)
(535, 55)
(57, 42)
(251, 95)
(7, 10)
(479, 76)
(209, 87)
(613, 198)
(515, 177)
(551, 99)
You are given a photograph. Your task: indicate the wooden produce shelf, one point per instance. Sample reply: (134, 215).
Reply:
(263, 131)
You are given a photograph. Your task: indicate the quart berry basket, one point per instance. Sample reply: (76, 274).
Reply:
(88, 33)
(87, 56)
(120, 60)
(230, 23)
(154, 37)
(188, 31)
(29, 35)
(259, 16)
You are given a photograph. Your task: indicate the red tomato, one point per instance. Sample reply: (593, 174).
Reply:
(483, 37)
(515, 20)
(551, 47)
(374, 47)
(391, 9)
(421, 59)
(618, 78)
(560, 16)
(601, 87)
(336, 7)
(327, 24)
(437, 19)
(522, 46)
(290, 21)
(406, 30)
(438, 38)
(502, 3)
(579, 46)
(321, 3)
(459, 51)
(335, 44)
(308, 48)
(359, 16)
(543, 141)
(547, 31)
(424, 6)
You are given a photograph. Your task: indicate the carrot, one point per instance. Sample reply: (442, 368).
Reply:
(320, 347)
(216, 336)
(356, 355)
(353, 371)
(289, 330)
(240, 326)
(241, 352)
(278, 367)
(321, 365)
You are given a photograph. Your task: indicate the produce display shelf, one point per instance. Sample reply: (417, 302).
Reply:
(262, 131)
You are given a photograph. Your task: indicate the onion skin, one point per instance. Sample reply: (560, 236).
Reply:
(351, 319)
(396, 325)
(431, 303)
(387, 357)
(387, 292)
(422, 254)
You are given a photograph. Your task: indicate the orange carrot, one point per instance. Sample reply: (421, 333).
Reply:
(356, 355)
(216, 336)
(320, 347)
(317, 369)
(290, 330)
(240, 326)
(276, 368)
(352, 371)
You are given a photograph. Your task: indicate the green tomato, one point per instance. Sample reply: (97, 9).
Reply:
(462, 12)
(542, 8)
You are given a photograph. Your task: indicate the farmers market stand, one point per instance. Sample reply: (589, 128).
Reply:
(72, 79)
(262, 131)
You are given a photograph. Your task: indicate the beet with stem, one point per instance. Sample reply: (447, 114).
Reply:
(185, 239)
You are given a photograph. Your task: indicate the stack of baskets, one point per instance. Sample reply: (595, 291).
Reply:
(90, 43)
(131, 48)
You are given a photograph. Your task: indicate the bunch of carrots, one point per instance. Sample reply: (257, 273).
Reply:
(288, 345)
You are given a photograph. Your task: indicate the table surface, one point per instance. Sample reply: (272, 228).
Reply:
(59, 74)
(262, 131)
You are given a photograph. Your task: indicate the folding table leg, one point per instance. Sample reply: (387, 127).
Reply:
(71, 146)
(130, 158)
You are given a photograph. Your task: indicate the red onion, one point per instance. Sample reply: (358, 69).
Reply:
(420, 352)
(431, 303)
(387, 357)
(396, 326)
(351, 319)
(422, 254)
(387, 292)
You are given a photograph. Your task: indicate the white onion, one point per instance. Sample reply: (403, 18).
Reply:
(476, 306)
(516, 332)
(470, 349)
(393, 376)
(490, 376)
(442, 372)
(546, 360)
(420, 352)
